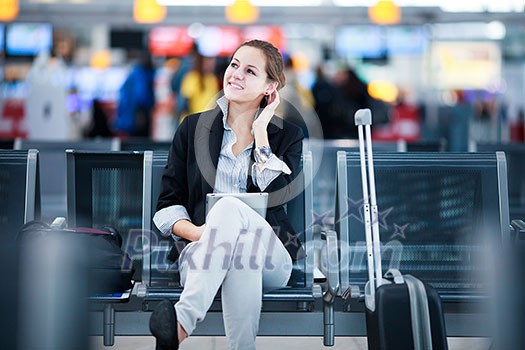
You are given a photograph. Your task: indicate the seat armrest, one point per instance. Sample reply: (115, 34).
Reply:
(331, 286)
(332, 263)
(518, 228)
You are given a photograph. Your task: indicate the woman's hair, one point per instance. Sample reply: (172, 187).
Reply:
(274, 60)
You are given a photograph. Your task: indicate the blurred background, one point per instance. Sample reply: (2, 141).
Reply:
(431, 70)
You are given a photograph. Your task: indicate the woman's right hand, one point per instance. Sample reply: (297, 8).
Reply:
(260, 124)
(197, 232)
(187, 230)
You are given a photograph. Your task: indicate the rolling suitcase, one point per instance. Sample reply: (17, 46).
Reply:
(402, 313)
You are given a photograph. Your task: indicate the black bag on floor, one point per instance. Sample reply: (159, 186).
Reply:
(97, 254)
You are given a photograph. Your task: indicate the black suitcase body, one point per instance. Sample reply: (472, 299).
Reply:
(389, 325)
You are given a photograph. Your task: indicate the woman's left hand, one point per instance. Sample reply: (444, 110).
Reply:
(261, 122)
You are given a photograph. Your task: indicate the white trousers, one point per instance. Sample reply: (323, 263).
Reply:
(239, 252)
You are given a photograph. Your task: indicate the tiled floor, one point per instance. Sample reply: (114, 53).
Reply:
(273, 343)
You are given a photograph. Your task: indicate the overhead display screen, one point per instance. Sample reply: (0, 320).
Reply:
(28, 39)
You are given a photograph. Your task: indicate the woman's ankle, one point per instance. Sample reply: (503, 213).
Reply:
(181, 333)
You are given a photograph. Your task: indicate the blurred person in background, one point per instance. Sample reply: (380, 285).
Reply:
(98, 126)
(221, 64)
(78, 114)
(458, 125)
(355, 97)
(517, 129)
(328, 103)
(136, 100)
(481, 127)
(200, 85)
(405, 122)
(296, 102)
(185, 66)
(164, 118)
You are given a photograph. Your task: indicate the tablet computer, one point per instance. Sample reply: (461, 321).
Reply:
(256, 201)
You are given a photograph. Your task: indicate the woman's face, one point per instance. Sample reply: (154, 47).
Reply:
(245, 78)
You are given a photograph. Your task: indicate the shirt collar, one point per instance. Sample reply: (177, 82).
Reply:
(223, 102)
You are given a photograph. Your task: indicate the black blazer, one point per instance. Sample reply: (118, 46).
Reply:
(192, 162)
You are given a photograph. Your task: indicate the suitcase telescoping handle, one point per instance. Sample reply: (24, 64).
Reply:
(363, 120)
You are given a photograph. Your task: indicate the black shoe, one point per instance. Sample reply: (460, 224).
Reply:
(163, 326)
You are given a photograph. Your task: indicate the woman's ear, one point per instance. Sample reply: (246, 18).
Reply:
(271, 88)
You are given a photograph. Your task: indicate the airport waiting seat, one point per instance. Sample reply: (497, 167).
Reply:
(423, 146)
(19, 204)
(440, 215)
(160, 278)
(53, 169)
(143, 144)
(19, 191)
(7, 143)
(157, 272)
(105, 188)
(515, 155)
(324, 154)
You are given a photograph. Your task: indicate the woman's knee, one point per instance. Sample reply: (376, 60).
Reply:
(233, 214)
(229, 206)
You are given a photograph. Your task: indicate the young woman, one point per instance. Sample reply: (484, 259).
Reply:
(240, 146)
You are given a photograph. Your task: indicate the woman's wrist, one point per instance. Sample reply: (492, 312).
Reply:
(260, 136)
(197, 232)
(186, 229)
